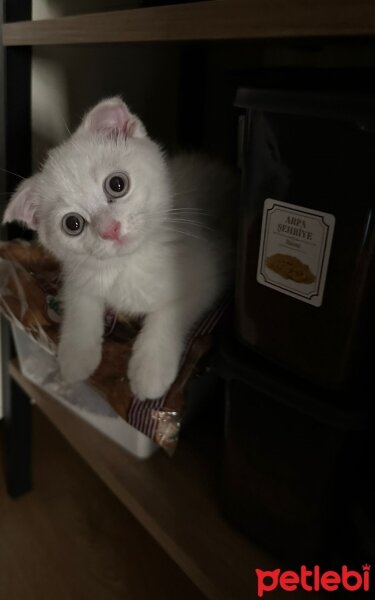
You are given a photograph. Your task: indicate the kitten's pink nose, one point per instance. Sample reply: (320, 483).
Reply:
(112, 231)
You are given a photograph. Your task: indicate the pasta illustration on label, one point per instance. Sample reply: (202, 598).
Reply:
(290, 267)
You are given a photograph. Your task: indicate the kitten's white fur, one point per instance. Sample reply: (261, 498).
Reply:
(170, 265)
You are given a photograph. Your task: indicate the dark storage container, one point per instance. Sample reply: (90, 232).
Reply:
(292, 461)
(305, 293)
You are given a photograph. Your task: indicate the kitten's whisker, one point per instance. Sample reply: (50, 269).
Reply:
(184, 214)
(191, 191)
(190, 222)
(187, 213)
(12, 173)
(66, 125)
(184, 210)
(186, 233)
(176, 219)
(59, 110)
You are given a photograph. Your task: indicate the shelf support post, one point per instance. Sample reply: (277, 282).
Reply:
(15, 156)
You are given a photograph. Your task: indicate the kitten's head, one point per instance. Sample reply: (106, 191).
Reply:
(101, 193)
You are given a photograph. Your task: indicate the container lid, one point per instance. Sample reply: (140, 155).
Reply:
(233, 361)
(342, 107)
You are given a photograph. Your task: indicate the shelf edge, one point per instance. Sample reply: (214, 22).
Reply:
(205, 20)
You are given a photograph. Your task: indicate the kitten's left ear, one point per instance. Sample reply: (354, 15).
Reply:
(23, 204)
(112, 116)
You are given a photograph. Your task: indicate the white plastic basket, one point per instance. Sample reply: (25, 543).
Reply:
(40, 366)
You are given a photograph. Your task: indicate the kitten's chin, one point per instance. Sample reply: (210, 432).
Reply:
(113, 249)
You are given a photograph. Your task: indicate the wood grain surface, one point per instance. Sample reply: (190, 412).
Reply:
(176, 500)
(71, 539)
(206, 20)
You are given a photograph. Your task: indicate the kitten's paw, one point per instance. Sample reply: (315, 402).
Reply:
(151, 371)
(77, 365)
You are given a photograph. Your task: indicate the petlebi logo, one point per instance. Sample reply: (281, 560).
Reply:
(314, 580)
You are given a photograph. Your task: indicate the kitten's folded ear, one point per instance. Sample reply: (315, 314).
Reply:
(23, 204)
(112, 116)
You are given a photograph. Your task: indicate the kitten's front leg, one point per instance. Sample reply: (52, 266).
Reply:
(158, 348)
(156, 354)
(80, 347)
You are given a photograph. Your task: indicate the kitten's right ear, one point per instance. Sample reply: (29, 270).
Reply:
(112, 116)
(23, 204)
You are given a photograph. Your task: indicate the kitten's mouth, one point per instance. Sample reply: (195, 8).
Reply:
(116, 240)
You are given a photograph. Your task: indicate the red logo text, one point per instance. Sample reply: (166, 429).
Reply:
(313, 580)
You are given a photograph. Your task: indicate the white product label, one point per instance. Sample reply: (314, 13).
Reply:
(294, 250)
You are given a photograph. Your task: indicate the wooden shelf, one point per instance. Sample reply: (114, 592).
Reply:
(208, 20)
(176, 500)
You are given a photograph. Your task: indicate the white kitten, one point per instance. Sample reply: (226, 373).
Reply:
(132, 233)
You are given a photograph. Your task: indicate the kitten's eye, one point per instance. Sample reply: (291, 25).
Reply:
(73, 224)
(116, 185)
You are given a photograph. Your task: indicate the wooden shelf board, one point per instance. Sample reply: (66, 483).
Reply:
(176, 500)
(206, 20)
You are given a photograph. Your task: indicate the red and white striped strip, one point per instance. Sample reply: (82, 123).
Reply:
(142, 414)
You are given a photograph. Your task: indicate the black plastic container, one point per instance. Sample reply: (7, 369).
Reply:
(292, 462)
(305, 293)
